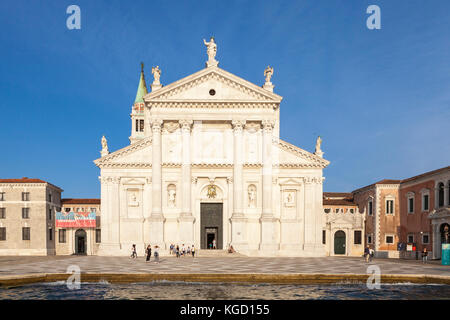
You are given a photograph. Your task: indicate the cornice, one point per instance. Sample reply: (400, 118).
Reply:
(124, 151)
(216, 104)
(218, 74)
(317, 161)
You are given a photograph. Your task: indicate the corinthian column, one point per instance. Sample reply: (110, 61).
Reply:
(156, 167)
(238, 221)
(268, 235)
(186, 220)
(156, 219)
(238, 168)
(267, 168)
(186, 166)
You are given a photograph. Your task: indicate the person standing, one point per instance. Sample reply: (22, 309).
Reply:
(156, 254)
(177, 251)
(424, 255)
(193, 251)
(367, 253)
(214, 244)
(133, 251)
(149, 252)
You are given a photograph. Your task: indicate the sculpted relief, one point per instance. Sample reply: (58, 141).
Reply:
(289, 198)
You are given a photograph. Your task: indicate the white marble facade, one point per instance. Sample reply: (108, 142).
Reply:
(212, 137)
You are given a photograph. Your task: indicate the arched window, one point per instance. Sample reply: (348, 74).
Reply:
(440, 194)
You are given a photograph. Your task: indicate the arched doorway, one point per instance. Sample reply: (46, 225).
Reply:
(339, 242)
(80, 241)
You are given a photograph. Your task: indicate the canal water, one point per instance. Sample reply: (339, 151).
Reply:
(223, 291)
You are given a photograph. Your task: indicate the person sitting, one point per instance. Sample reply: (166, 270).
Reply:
(231, 249)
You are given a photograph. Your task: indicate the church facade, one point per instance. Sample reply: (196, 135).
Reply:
(206, 162)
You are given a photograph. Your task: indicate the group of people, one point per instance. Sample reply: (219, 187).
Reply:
(182, 251)
(148, 253)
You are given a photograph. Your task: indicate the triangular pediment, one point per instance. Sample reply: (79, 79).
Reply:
(136, 154)
(292, 156)
(199, 86)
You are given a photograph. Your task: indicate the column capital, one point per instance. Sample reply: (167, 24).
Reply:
(238, 125)
(186, 124)
(268, 125)
(156, 124)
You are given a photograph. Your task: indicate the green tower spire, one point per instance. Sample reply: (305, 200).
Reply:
(142, 88)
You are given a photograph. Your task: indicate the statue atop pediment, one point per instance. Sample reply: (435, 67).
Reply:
(211, 50)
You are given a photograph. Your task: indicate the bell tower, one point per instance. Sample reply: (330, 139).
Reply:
(137, 110)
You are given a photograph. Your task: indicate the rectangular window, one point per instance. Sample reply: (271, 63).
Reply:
(389, 239)
(370, 208)
(369, 239)
(410, 238)
(98, 235)
(26, 233)
(389, 206)
(357, 237)
(62, 235)
(50, 197)
(337, 210)
(50, 234)
(2, 213)
(137, 125)
(425, 238)
(94, 210)
(411, 205)
(2, 196)
(25, 213)
(25, 196)
(50, 214)
(141, 125)
(3, 234)
(425, 201)
(352, 210)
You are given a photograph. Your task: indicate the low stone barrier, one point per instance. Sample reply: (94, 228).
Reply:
(298, 278)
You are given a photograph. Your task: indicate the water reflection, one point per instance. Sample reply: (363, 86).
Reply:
(193, 291)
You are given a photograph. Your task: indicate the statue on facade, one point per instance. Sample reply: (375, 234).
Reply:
(252, 197)
(268, 72)
(172, 195)
(156, 71)
(318, 151)
(104, 151)
(211, 51)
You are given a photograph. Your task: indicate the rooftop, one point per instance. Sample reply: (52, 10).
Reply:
(80, 201)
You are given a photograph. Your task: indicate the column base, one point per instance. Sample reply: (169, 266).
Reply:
(186, 225)
(157, 231)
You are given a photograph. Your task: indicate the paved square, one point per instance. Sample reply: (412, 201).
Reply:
(96, 264)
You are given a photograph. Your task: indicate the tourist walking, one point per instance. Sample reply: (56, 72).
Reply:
(424, 255)
(149, 252)
(367, 253)
(171, 249)
(156, 254)
(133, 251)
(371, 254)
(193, 251)
(177, 251)
(214, 244)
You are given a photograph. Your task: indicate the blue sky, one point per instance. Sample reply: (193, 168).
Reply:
(380, 99)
